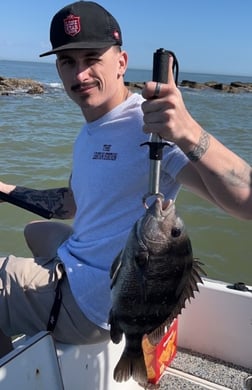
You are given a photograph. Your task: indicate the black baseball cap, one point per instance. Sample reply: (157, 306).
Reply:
(83, 25)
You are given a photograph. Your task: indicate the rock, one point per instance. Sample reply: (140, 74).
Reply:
(239, 84)
(220, 87)
(134, 86)
(36, 89)
(10, 86)
(192, 84)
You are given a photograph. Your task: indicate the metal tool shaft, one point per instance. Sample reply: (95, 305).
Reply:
(154, 176)
(156, 146)
(160, 74)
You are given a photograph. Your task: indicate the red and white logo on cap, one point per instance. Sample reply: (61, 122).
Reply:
(116, 35)
(72, 25)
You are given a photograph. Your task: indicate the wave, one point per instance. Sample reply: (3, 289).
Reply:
(54, 85)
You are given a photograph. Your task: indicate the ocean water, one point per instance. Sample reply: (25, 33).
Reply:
(37, 133)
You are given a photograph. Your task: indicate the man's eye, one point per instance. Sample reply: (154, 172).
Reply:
(66, 61)
(92, 60)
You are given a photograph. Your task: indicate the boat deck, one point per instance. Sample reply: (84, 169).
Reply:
(193, 371)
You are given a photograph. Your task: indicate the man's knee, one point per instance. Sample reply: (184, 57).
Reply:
(43, 237)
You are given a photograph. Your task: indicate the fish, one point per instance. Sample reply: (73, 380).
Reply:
(151, 279)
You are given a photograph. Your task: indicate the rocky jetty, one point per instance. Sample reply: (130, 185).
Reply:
(233, 87)
(12, 86)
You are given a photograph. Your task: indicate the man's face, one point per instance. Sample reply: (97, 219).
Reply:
(93, 78)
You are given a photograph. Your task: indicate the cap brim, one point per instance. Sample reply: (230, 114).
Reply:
(79, 45)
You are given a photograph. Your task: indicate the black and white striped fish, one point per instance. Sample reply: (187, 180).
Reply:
(151, 279)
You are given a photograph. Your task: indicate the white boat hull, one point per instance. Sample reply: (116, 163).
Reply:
(218, 322)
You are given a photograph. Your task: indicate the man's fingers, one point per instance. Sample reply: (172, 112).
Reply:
(153, 89)
(157, 90)
(170, 70)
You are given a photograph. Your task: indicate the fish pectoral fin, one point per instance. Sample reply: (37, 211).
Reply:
(131, 366)
(115, 269)
(116, 335)
(115, 331)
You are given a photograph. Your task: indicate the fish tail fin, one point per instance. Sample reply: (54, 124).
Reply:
(130, 366)
(139, 372)
(122, 371)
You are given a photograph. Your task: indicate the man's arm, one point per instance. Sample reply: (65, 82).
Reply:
(58, 201)
(224, 177)
(214, 172)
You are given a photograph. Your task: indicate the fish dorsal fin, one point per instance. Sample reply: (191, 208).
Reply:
(115, 269)
(186, 294)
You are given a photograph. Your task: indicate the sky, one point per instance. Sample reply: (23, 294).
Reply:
(207, 36)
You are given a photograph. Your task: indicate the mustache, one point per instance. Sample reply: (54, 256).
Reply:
(80, 86)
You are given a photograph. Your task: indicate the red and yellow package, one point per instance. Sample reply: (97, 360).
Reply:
(158, 357)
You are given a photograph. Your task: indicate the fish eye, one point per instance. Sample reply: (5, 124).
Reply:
(141, 258)
(175, 232)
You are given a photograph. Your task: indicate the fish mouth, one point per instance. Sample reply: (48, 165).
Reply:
(163, 207)
(149, 227)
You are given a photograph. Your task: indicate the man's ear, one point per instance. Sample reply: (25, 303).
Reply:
(58, 69)
(123, 62)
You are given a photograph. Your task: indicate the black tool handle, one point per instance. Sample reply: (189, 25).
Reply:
(159, 75)
(160, 65)
(20, 203)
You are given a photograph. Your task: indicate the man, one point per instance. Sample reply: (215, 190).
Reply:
(109, 178)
